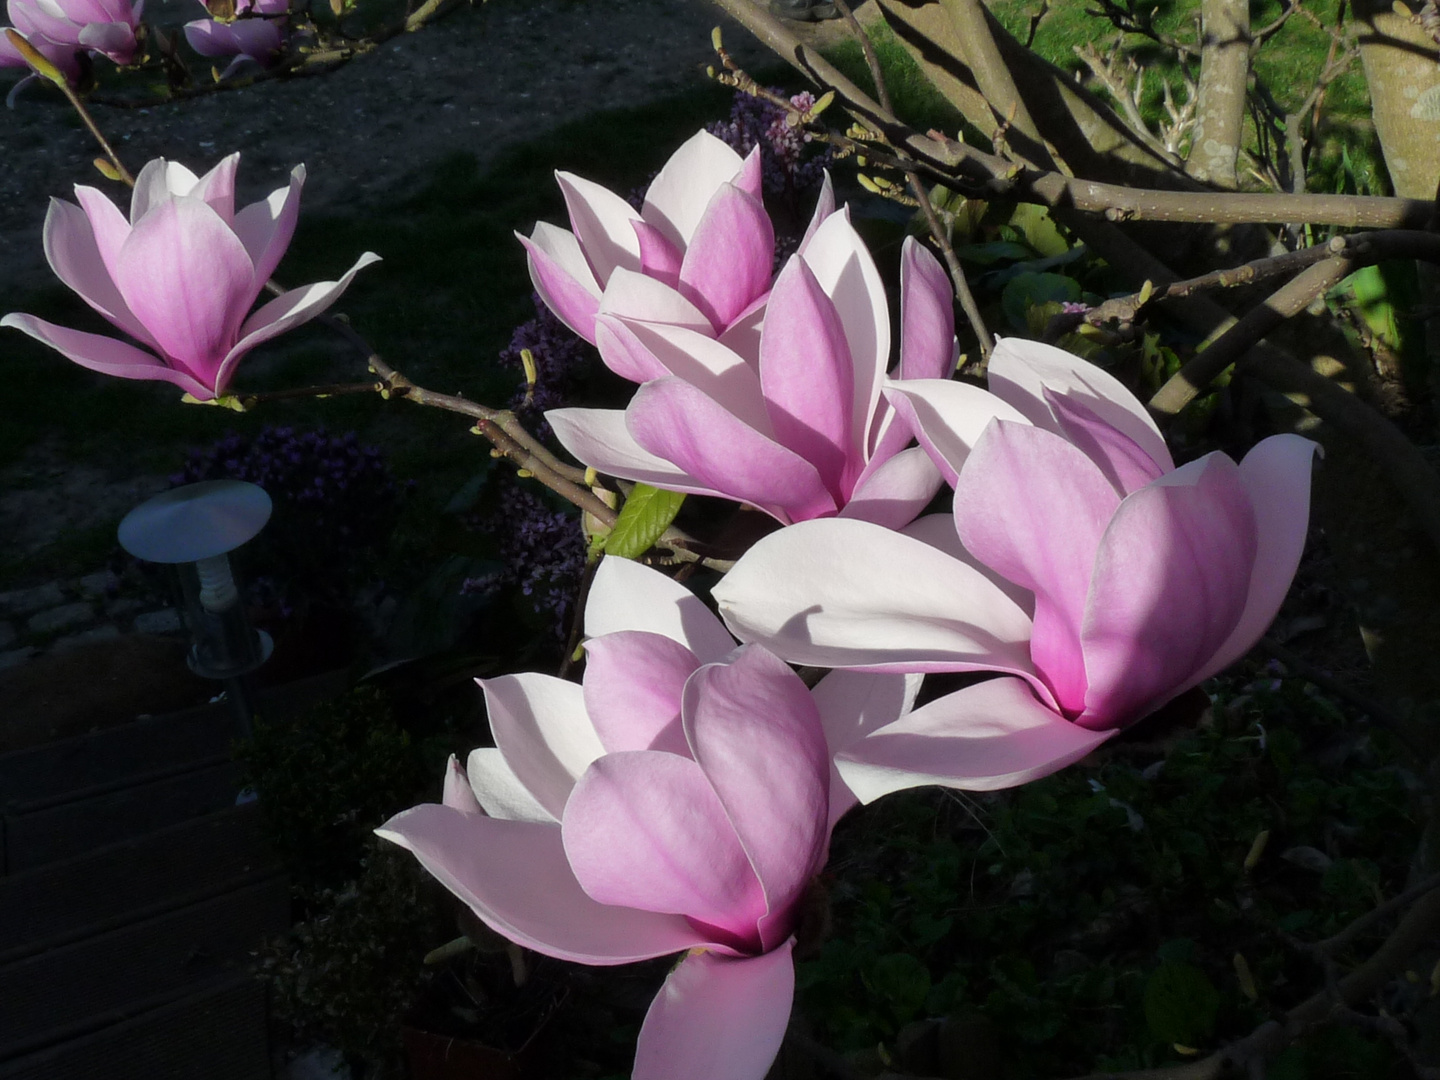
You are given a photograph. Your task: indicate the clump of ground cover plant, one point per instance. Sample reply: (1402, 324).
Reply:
(1137, 910)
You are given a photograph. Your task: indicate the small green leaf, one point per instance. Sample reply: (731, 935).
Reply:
(646, 514)
(903, 981)
(1025, 291)
(1180, 1004)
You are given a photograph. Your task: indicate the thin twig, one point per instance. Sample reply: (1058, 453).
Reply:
(958, 280)
(326, 391)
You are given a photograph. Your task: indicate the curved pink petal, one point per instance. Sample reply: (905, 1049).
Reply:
(601, 221)
(843, 593)
(927, 315)
(1033, 508)
(113, 40)
(808, 378)
(677, 197)
(73, 251)
(675, 421)
(643, 829)
(1171, 580)
(1020, 371)
(626, 595)
(756, 733)
(186, 277)
(729, 259)
(458, 794)
(108, 227)
(845, 270)
(514, 876)
(938, 530)
(289, 310)
(265, 227)
(212, 38)
(1123, 461)
(633, 683)
(105, 354)
(659, 258)
(699, 359)
(499, 791)
(824, 207)
(217, 187)
(631, 295)
(601, 439)
(562, 277)
(156, 183)
(1276, 473)
(624, 353)
(718, 1018)
(893, 492)
(983, 738)
(751, 177)
(852, 704)
(742, 336)
(947, 417)
(541, 727)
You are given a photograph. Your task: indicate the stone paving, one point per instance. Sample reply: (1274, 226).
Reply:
(58, 616)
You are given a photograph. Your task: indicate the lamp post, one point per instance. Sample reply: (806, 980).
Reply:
(194, 528)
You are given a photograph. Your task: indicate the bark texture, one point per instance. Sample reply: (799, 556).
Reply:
(1404, 79)
(1220, 110)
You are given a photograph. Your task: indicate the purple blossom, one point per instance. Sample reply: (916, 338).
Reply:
(792, 169)
(543, 551)
(561, 359)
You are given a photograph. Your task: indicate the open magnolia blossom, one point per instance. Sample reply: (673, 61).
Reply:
(801, 431)
(179, 276)
(258, 40)
(1080, 561)
(700, 253)
(680, 800)
(61, 28)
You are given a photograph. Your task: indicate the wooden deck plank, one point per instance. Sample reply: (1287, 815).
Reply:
(61, 994)
(72, 828)
(218, 1033)
(100, 890)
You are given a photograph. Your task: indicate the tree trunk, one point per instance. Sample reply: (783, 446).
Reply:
(1224, 73)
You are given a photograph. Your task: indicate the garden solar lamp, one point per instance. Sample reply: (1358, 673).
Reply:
(194, 528)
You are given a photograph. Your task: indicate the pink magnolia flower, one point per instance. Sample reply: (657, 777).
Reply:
(802, 431)
(700, 252)
(63, 57)
(1080, 561)
(106, 27)
(680, 800)
(179, 276)
(259, 40)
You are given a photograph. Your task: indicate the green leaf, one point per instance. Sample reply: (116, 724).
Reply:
(903, 981)
(1180, 1004)
(1029, 290)
(646, 514)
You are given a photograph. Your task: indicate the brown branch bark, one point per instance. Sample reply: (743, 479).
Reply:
(974, 172)
(1220, 111)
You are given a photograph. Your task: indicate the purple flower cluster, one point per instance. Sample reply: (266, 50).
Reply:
(543, 551)
(791, 169)
(561, 359)
(334, 497)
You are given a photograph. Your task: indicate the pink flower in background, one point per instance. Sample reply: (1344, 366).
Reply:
(179, 276)
(801, 432)
(699, 254)
(106, 27)
(680, 800)
(64, 57)
(1079, 559)
(260, 40)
